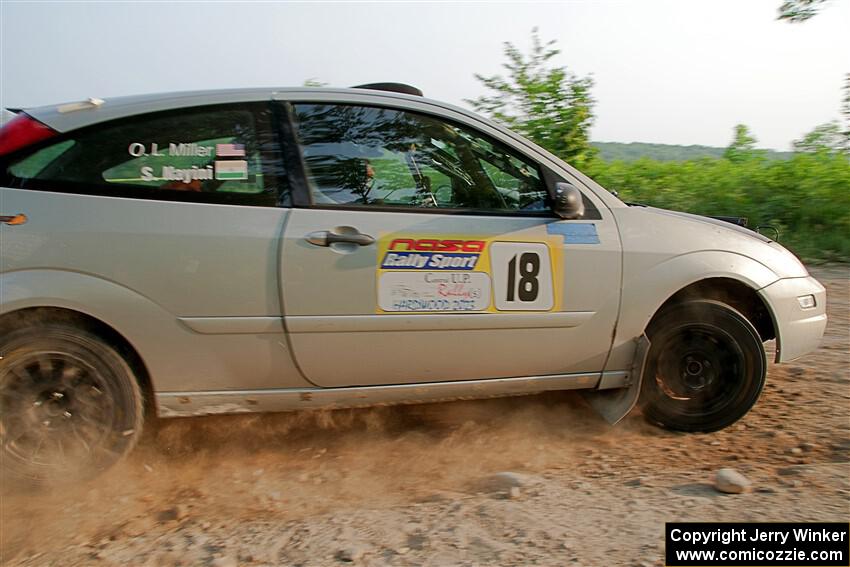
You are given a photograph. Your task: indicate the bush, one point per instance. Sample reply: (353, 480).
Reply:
(806, 197)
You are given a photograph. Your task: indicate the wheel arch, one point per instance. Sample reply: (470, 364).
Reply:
(716, 274)
(732, 292)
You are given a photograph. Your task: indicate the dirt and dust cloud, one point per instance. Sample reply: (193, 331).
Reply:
(308, 463)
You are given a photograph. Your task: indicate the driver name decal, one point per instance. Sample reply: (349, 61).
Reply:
(182, 163)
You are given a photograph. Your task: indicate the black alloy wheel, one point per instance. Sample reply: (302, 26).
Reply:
(69, 405)
(706, 367)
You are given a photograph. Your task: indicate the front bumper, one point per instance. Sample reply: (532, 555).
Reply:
(798, 330)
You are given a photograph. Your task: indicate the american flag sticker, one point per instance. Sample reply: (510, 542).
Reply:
(231, 170)
(230, 150)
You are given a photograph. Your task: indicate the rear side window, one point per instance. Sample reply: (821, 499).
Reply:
(30, 167)
(224, 154)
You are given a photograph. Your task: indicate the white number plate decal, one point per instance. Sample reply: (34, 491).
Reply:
(434, 291)
(522, 276)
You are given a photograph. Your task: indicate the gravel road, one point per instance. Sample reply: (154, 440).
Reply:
(421, 485)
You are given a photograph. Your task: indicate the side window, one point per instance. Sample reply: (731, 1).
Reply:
(369, 156)
(207, 154)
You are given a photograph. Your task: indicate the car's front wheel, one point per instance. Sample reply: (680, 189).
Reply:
(706, 367)
(70, 405)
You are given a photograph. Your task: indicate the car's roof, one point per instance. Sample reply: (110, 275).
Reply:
(73, 115)
(69, 116)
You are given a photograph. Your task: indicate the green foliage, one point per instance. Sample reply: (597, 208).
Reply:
(549, 105)
(828, 138)
(743, 146)
(799, 10)
(807, 197)
(845, 112)
(611, 151)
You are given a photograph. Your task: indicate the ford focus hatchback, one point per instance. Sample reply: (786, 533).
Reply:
(268, 250)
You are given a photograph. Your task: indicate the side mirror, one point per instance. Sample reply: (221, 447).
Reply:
(568, 202)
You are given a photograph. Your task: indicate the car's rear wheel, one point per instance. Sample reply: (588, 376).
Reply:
(706, 367)
(70, 405)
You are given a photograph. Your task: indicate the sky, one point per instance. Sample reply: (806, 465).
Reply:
(665, 71)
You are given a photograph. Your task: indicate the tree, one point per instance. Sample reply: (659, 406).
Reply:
(832, 137)
(550, 105)
(824, 138)
(743, 146)
(799, 11)
(845, 112)
(795, 11)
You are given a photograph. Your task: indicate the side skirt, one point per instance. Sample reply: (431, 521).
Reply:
(184, 404)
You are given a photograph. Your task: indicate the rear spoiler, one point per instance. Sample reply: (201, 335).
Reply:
(7, 114)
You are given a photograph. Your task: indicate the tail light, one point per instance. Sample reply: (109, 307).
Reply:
(21, 131)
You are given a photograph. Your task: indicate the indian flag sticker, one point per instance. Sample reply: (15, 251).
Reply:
(231, 170)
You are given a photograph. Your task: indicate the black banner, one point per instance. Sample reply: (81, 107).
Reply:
(746, 544)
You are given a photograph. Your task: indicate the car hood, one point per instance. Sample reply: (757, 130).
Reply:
(741, 240)
(715, 222)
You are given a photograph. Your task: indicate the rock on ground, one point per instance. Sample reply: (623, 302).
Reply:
(731, 481)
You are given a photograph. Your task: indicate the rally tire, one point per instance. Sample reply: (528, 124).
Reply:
(705, 369)
(70, 405)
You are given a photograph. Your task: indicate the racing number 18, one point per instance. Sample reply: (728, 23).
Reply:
(522, 276)
(529, 267)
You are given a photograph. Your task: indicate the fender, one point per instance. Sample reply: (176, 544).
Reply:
(645, 290)
(177, 357)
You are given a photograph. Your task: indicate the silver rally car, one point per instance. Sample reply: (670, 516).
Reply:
(267, 250)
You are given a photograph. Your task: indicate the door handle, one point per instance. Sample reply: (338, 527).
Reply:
(13, 220)
(328, 237)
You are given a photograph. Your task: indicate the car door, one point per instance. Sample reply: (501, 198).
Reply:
(425, 251)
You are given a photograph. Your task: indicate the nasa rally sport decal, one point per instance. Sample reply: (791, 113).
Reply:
(466, 274)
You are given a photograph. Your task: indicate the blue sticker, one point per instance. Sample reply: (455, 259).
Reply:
(575, 233)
